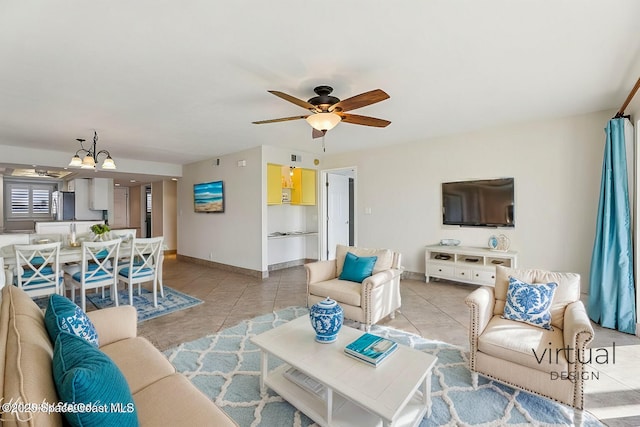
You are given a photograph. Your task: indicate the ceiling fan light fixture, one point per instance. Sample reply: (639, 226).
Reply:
(323, 121)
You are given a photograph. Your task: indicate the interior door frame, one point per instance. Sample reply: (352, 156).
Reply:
(351, 172)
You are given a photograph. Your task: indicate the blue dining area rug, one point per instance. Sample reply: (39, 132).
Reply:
(173, 301)
(226, 367)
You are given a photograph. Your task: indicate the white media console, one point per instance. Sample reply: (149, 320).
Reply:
(466, 264)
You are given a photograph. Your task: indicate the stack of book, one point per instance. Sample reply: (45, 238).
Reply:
(371, 349)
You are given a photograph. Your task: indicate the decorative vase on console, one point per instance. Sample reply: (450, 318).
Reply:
(326, 318)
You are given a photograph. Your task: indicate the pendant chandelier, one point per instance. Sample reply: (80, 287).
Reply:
(91, 155)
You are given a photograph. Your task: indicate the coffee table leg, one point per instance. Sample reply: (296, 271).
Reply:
(329, 405)
(426, 393)
(264, 359)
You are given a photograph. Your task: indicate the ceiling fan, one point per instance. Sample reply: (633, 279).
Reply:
(327, 111)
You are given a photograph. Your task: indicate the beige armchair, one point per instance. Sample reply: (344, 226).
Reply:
(368, 302)
(546, 362)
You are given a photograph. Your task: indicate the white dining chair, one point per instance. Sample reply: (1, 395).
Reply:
(2, 273)
(144, 263)
(98, 269)
(37, 269)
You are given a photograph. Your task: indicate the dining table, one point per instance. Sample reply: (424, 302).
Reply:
(69, 255)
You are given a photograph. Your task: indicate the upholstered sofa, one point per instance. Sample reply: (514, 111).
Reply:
(368, 302)
(161, 396)
(544, 361)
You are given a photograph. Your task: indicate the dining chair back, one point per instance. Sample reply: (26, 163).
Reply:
(14, 239)
(98, 269)
(125, 234)
(37, 269)
(144, 263)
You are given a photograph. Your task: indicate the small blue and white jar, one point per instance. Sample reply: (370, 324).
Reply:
(326, 318)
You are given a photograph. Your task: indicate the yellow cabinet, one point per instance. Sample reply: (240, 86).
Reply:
(274, 184)
(304, 187)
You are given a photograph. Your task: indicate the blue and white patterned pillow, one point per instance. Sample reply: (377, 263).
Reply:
(529, 303)
(64, 315)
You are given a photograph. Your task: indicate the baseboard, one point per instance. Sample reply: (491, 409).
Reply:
(412, 275)
(288, 264)
(226, 267)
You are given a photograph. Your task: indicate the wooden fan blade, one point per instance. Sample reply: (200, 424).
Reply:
(364, 120)
(298, 102)
(361, 100)
(283, 119)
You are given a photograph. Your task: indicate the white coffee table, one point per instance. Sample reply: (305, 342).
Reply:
(396, 393)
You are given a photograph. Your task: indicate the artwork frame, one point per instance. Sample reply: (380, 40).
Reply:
(208, 197)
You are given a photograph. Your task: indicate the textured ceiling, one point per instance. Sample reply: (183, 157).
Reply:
(180, 81)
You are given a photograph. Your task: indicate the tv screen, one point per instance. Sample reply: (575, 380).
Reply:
(481, 203)
(208, 197)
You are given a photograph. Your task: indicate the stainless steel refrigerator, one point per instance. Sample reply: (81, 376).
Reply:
(64, 205)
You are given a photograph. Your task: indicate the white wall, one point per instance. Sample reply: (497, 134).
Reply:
(235, 236)
(556, 165)
(1, 203)
(170, 213)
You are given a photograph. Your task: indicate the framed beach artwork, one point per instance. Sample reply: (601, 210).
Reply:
(208, 197)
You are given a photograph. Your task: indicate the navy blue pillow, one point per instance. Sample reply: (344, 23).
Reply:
(356, 268)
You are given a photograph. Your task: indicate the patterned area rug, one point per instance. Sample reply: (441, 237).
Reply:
(173, 301)
(226, 367)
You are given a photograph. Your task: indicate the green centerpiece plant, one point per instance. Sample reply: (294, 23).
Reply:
(100, 231)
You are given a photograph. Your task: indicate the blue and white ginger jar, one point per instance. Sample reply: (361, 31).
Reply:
(326, 318)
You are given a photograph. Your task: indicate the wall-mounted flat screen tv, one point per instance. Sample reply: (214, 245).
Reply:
(480, 203)
(208, 197)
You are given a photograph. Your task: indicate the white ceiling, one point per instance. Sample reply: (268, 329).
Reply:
(181, 81)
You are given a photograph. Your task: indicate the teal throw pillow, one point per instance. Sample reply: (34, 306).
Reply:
(64, 315)
(88, 378)
(529, 303)
(356, 268)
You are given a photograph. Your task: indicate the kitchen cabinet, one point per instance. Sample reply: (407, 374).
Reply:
(274, 184)
(81, 188)
(304, 187)
(290, 185)
(99, 194)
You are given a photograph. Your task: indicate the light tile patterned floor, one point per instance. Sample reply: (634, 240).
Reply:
(433, 310)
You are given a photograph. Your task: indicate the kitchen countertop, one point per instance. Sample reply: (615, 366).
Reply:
(287, 234)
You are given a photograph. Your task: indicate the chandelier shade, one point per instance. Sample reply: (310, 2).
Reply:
(91, 155)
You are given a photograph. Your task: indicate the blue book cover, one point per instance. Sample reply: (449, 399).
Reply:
(371, 348)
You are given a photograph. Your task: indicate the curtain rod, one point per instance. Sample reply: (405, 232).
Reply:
(628, 100)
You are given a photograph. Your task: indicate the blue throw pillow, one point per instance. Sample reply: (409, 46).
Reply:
(356, 268)
(529, 303)
(64, 315)
(85, 375)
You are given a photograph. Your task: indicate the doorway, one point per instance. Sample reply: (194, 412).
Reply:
(147, 215)
(120, 207)
(338, 211)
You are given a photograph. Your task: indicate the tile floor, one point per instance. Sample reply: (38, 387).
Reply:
(435, 310)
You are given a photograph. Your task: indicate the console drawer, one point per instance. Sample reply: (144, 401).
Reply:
(441, 270)
(485, 276)
(463, 273)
